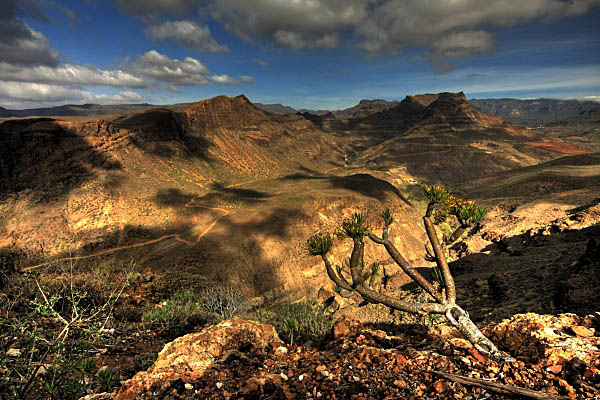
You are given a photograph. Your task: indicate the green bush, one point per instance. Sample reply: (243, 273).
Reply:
(176, 313)
(171, 282)
(299, 322)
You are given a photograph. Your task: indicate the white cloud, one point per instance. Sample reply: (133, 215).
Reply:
(223, 79)
(463, 44)
(28, 94)
(175, 73)
(263, 63)
(246, 79)
(70, 74)
(297, 41)
(168, 70)
(188, 34)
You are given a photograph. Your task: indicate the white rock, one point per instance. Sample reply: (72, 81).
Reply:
(219, 385)
(13, 352)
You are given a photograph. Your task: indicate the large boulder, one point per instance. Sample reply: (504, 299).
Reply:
(188, 357)
(549, 340)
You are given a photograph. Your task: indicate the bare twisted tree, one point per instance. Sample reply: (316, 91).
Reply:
(467, 213)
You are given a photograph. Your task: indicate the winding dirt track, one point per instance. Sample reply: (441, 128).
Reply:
(177, 236)
(225, 212)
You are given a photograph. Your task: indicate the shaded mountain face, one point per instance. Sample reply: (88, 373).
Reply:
(276, 108)
(365, 108)
(415, 113)
(532, 112)
(587, 118)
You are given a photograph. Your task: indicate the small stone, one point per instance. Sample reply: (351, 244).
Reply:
(399, 383)
(440, 386)
(219, 385)
(281, 350)
(461, 343)
(188, 386)
(325, 373)
(13, 352)
(356, 378)
(301, 377)
(555, 369)
(283, 376)
(581, 331)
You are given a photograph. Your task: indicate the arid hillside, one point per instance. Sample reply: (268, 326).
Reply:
(230, 191)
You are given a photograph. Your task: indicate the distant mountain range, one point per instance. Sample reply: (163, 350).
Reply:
(523, 112)
(73, 110)
(533, 112)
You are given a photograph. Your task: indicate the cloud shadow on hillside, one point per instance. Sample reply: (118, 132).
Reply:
(165, 133)
(39, 154)
(232, 252)
(364, 184)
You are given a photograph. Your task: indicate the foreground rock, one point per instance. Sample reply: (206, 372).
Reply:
(187, 358)
(549, 340)
(557, 355)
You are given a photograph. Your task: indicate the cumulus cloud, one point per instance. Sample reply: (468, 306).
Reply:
(444, 28)
(19, 43)
(298, 41)
(169, 70)
(246, 79)
(70, 74)
(463, 44)
(223, 79)
(174, 72)
(29, 94)
(394, 24)
(188, 34)
(298, 24)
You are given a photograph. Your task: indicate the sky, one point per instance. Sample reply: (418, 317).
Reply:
(317, 54)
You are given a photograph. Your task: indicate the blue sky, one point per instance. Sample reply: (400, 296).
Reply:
(303, 53)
